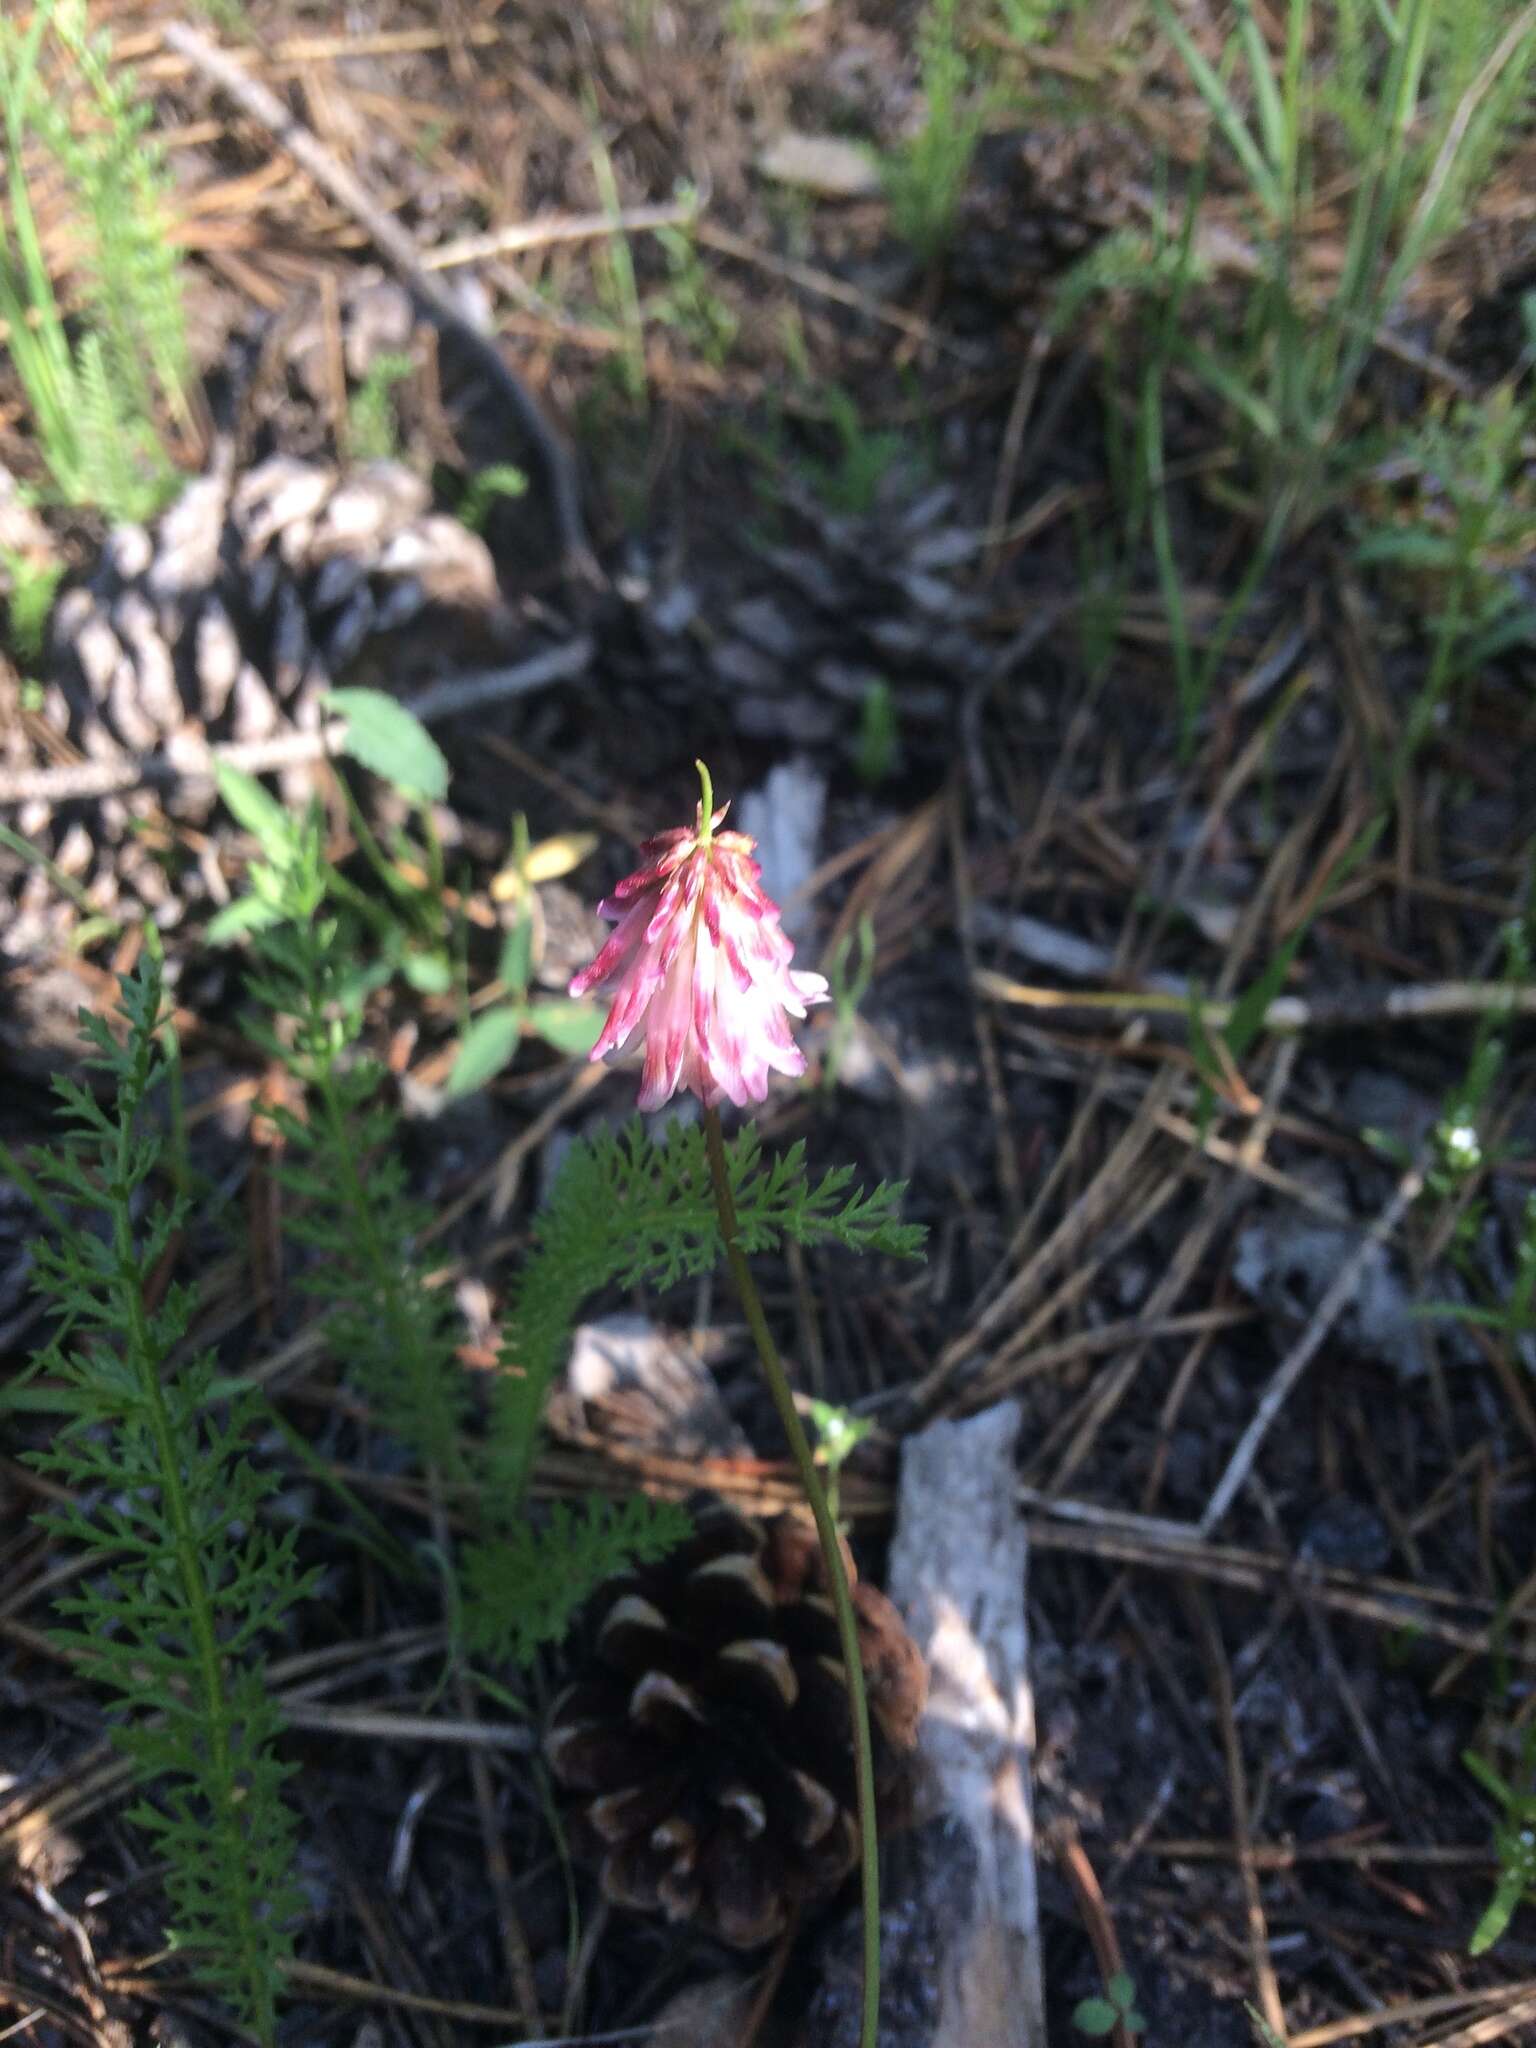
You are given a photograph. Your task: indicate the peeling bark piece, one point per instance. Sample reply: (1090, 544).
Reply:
(958, 1566)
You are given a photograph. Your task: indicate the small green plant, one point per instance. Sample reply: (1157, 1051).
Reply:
(839, 1432)
(188, 1582)
(1218, 1046)
(341, 1167)
(351, 1207)
(1027, 21)
(925, 178)
(34, 581)
(99, 403)
(373, 425)
(1419, 103)
(1459, 1153)
(1458, 542)
(407, 923)
(849, 974)
(1514, 1840)
(1097, 2017)
(486, 488)
(1406, 110)
(690, 303)
(850, 479)
(613, 271)
(629, 1211)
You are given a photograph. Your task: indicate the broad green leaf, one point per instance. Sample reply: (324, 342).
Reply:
(572, 1028)
(392, 742)
(487, 1046)
(428, 973)
(259, 812)
(1095, 2017)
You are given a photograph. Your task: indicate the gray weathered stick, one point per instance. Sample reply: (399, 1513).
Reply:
(958, 1564)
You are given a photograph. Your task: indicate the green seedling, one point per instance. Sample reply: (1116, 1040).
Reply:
(373, 424)
(849, 974)
(925, 178)
(839, 1432)
(1514, 1839)
(1097, 2017)
(33, 583)
(103, 388)
(486, 489)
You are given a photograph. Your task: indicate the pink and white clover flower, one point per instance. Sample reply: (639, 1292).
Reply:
(699, 964)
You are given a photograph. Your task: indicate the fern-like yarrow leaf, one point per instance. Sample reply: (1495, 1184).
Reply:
(524, 1590)
(351, 1205)
(187, 1580)
(629, 1211)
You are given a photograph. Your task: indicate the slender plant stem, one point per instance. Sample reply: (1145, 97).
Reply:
(831, 1550)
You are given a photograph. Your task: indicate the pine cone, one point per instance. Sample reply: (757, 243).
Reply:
(249, 597)
(228, 619)
(708, 1735)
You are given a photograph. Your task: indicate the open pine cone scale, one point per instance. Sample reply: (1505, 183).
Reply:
(707, 1737)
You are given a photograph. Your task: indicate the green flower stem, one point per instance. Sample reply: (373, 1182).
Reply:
(831, 1550)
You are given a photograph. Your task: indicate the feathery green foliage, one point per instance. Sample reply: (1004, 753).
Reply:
(630, 1211)
(373, 426)
(29, 601)
(96, 401)
(485, 489)
(187, 1581)
(523, 1589)
(129, 271)
(343, 1167)
(925, 178)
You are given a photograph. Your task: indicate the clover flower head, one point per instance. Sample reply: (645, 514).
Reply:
(698, 962)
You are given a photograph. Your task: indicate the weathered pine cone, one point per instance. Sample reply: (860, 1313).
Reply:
(707, 1735)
